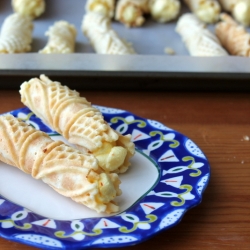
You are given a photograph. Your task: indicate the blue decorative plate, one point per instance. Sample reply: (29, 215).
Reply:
(168, 176)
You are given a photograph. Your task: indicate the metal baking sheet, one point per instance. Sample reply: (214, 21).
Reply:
(149, 41)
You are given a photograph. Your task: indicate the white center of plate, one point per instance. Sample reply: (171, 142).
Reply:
(22, 189)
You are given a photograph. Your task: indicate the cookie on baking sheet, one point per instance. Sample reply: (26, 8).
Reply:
(16, 34)
(61, 38)
(197, 38)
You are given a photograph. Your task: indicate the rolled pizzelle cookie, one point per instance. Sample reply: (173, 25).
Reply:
(207, 11)
(240, 10)
(164, 10)
(103, 7)
(31, 8)
(97, 28)
(79, 122)
(198, 40)
(130, 12)
(16, 34)
(67, 170)
(62, 37)
(233, 36)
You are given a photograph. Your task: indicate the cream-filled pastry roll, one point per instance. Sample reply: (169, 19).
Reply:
(16, 34)
(103, 7)
(97, 28)
(32, 8)
(240, 10)
(198, 40)
(130, 12)
(207, 11)
(164, 10)
(61, 38)
(78, 121)
(233, 36)
(67, 170)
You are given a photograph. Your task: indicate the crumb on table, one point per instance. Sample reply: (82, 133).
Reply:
(246, 138)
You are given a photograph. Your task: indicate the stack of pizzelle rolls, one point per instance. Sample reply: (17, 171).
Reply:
(87, 173)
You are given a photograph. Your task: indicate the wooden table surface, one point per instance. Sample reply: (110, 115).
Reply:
(220, 124)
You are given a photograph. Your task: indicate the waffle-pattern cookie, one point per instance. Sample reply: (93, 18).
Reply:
(16, 34)
(79, 122)
(198, 40)
(233, 36)
(207, 11)
(65, 169)
(97, 28)
(61, 38)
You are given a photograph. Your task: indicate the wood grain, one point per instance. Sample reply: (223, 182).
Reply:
(217, 123)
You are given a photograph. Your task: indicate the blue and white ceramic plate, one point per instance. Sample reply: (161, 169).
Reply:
(168, 176)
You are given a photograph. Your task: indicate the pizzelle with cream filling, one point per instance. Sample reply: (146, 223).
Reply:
(164, 10)
(207, 11)
(79, 122)
(102, 7)
(131, 12)
(67, 170)
(240, 10)
(31, 8)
